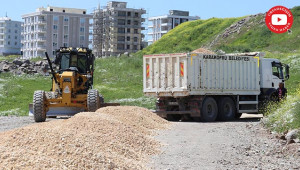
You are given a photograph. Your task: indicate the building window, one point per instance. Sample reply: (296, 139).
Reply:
(121, 30)
(135, 47)
(66, 36)
(128, 47)
(129, 14)
(9, 30)
(16, 25)
(128, 22)
(135, 39)
(136, 31)
(66, 19)
(81, 29)
(16, 43)
(54, 44)
(51, 9)
(16, 31)
(121, 38)
(136, 23)
(65, 44)
(8, 42)
(55, 18)
(136, 14)
(54, 35)
(128, 30)
(120, 46)
(66, 29)
(121, 22)
(82, 20)
(121, 13)
(55, 27)
(16, 37)
(8, 36)
(53, 52)
(64, 10)
(81, 37)
(128, 38)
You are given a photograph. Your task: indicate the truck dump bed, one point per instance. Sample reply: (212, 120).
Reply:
(185, 74)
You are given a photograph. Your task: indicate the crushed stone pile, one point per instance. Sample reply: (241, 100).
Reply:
(110, 138)
(203, 50)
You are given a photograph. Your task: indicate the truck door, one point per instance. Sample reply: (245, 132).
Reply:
(277, 74)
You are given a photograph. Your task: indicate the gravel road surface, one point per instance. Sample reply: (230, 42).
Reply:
(242, 144)
(13, 122)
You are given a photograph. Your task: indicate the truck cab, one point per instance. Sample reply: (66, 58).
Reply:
(272, 72)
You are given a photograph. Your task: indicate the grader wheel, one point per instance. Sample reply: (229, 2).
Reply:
(39, 108)
(93, 100)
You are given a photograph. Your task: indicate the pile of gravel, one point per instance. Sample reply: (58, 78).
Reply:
(111, 138)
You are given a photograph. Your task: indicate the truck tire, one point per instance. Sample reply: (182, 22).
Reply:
(209, 110)
(39, 108)
(227, 109)
(93, 100)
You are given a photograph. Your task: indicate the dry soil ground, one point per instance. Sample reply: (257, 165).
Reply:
(242, 144)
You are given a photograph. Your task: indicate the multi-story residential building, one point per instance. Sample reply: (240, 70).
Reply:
(163, 24)
(10, 36)
(117, 29)
(50, 28)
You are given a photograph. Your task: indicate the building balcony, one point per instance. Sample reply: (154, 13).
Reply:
(41, 47)
(41, 22)
(43, 30)
(166, 24)
(41, 39)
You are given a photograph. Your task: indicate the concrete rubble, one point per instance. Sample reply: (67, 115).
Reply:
(19, 66)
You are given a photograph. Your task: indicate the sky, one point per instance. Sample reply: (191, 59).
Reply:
(202, 8)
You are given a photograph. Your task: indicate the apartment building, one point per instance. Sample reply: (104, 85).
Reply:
(48, 29)
(117, 29)
(10, 36)
(160, 25)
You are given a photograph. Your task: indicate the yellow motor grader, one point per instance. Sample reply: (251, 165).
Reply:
(72, 86)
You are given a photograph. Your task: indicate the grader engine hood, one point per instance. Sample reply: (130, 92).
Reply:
(67, 86)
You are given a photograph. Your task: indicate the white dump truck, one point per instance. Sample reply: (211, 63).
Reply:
(211, 87)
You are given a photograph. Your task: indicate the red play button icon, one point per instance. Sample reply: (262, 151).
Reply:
(278, 20)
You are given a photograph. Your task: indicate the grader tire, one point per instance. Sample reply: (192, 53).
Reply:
(39, 108)
(93, 100)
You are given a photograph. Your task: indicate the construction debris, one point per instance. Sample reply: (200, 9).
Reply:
(111, 138)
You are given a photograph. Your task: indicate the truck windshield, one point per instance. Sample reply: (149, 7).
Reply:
(277, 71)
(65, 61)
(78, 61)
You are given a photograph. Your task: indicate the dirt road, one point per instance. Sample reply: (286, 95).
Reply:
(242, 144)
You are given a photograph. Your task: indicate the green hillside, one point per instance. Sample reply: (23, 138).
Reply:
(252, 35)
(190, 36)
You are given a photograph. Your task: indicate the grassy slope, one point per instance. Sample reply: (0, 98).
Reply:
(258, 37)
(190, 36)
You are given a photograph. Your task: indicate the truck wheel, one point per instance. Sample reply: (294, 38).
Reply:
(39, 108)
(93, 100)
(227, 109)
(209, 111)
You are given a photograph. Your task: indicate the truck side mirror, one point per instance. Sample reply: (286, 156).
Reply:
(287, 72)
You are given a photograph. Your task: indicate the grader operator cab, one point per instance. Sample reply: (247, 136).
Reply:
(72, 86)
